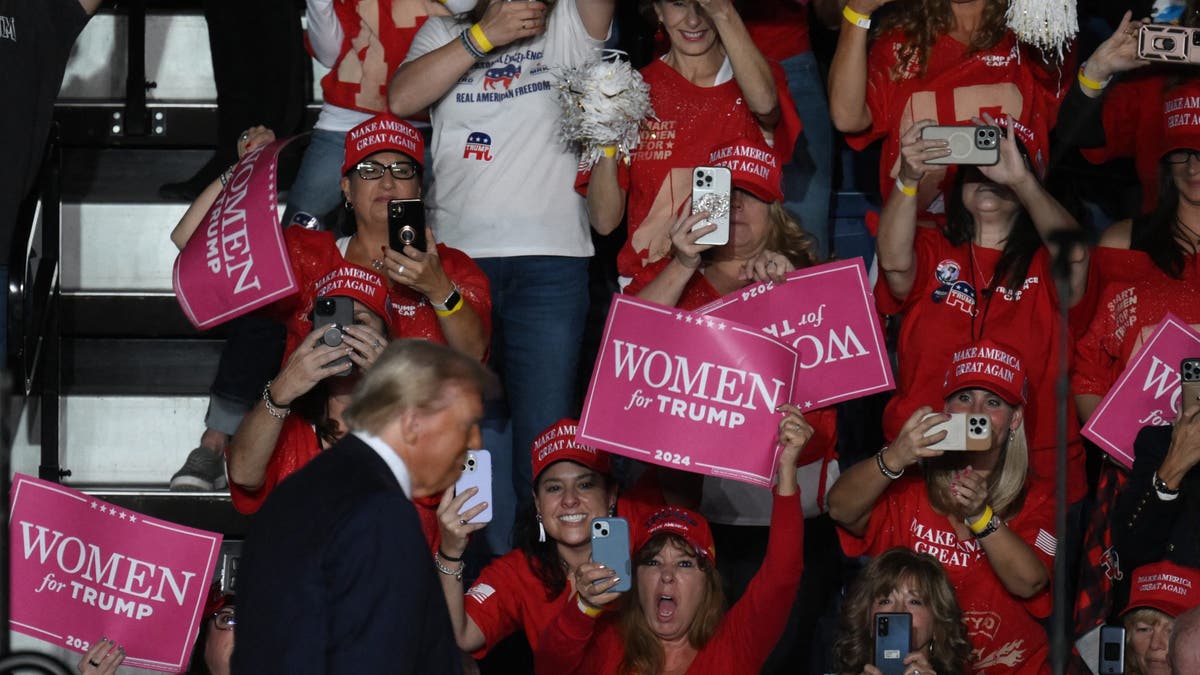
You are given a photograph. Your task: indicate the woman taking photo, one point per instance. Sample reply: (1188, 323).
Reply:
(972, 511)
(673, 619)
(712, 86)
(984, 274)
(523, 589)
(902, 580)
(943, 60)
(505, 195)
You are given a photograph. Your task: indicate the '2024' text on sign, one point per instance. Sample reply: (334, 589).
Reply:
(83, 568)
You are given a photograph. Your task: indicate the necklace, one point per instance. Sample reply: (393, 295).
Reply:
(1194, 240)
(981, 294)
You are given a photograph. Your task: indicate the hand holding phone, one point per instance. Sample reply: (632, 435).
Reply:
(331, 315)
(1171, 44)
(1189, 383)
(893, 641)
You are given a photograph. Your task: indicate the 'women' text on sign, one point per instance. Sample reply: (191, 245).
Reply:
(83, 569)
(687, 391)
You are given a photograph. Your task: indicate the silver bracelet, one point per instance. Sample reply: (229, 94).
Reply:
(887, 473)
(273, 409)
(457, 574)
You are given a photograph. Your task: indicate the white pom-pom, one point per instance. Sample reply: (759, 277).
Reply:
(1048, 25)
(603, 104)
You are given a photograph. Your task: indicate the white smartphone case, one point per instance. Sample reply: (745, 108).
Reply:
(711, 191)
(477, 473)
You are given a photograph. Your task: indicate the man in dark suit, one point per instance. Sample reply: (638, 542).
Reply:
(336, 575)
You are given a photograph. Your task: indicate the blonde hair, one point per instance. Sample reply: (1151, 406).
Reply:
(411, 374)
(789, 238)
(1006, 483)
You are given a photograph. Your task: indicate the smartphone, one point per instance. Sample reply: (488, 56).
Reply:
(974, 145)
(1173, 44)
(610, 547)
(893, 641)
(330, 315)
(711, 187)
(1112, 650)
(406, 224)
(964, 432)
(477, 473)
(1189, 378)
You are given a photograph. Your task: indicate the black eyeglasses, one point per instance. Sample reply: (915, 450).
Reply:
(1181, 156)
(372, 170)
(225, 618)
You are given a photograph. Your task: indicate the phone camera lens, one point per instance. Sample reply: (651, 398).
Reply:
(324, 306)
(1165, 44)
(596, 526)
(699, 183)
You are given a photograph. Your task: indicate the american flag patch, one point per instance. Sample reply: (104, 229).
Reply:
(482, 592)
(1045, 542)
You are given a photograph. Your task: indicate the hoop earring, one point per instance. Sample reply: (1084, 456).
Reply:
(541, 529)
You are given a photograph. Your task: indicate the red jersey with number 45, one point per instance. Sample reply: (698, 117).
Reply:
(1006, 636)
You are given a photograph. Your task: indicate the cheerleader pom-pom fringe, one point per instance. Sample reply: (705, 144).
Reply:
(603, 104)
(1049, 25)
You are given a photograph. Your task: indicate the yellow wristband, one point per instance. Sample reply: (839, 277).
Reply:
(1089, 83)
(481, 39)
(451, 309)
(861, 20)
(610, 151)
(980, 524)
(593, 612)
(910, 191)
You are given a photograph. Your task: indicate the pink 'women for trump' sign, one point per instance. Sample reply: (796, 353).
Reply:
(83, 569)
(827, 315)
(237, 261)
(687, 391)
(1147, 393)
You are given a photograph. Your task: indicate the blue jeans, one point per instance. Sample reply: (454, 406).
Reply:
(539, 309)
(806, 186)
(317, 188)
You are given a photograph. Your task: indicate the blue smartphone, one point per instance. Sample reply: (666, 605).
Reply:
(477, 473)
(610, 547)
(893, 641)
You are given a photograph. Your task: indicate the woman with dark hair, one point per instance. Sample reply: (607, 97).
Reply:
(673, 619)
(985, 273)
(973, 511)
(942, 60)
(712, 86)
(523, 589)
(903, 580)
(1148, 263)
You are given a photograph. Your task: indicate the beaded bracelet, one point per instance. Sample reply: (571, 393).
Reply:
(887, 473)
(273, 408)
(470, 46)
(457, 574)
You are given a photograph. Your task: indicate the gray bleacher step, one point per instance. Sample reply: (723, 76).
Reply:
(211, 511)
(138, 366)
(115, 315)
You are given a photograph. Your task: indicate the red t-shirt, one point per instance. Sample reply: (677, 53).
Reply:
(314, 254)
(1134, 296)
(575, 644)
(1132, 115)
(937, 319)
(958, 85)
(509, 597)
(779, 28)
(691, 122)
(376, 35)
(1004, 630)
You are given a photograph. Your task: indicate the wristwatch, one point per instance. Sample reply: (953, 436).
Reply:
(451, 300)
(1165, 493)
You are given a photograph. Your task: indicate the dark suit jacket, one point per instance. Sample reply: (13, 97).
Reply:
(335, 577)
(1147, 529)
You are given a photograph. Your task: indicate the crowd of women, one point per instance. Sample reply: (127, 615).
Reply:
(977, 267)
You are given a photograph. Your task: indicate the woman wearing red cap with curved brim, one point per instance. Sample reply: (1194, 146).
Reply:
(673, 619)
(973, 511)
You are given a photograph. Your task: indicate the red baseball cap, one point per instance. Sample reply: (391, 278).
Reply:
(754, 167)
(683, 523)
(364, 285)
(1181, 118)
(557, 443)
(1170, 588)
(989, 365)
(381, 133)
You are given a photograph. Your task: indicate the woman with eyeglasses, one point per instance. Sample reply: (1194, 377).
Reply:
(438, 294)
